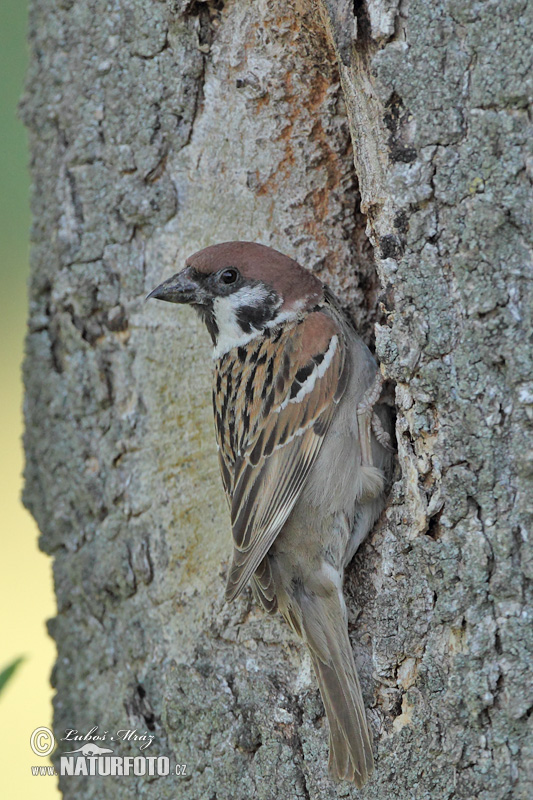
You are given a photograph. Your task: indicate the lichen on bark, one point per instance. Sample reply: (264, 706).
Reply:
(335, 132)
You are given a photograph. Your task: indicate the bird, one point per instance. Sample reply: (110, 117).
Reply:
(305, 455)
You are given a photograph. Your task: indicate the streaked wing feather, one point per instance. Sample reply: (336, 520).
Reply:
(226, 476)
(275, 458)
(264, 520)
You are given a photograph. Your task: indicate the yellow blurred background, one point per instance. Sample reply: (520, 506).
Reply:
(26, 596)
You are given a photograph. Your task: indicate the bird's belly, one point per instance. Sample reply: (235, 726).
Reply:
(309, 538)
(332, 483)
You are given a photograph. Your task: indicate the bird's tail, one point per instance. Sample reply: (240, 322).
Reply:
(325, 629)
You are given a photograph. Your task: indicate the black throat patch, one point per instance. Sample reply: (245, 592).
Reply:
(207, 315)
(251, 316)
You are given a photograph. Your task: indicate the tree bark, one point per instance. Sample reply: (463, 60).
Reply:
(383, 144)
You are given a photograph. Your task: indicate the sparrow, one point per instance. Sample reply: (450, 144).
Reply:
(304, 452)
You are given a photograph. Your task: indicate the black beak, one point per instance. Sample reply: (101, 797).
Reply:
(180, 288)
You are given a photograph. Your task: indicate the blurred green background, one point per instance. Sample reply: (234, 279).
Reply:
(26, 596)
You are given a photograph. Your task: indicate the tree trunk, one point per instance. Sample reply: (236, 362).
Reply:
(158, 128)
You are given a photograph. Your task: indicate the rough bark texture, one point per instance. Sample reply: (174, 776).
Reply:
(161, 127)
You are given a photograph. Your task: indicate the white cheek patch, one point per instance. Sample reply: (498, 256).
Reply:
(230, 333)
(318, 372)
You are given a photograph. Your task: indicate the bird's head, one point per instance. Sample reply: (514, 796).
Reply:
(240, 289)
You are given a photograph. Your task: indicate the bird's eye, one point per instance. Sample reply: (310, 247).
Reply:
(228, 276)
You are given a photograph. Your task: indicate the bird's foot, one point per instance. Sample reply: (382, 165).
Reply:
(369, 421)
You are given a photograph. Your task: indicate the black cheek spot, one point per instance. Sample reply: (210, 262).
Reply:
(249, 317)
(245, 325)
(319, 358)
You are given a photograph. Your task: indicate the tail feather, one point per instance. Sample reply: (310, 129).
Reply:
(326, 633)
(263, 586)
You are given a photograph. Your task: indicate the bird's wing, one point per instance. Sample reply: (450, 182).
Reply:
(276, 446)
